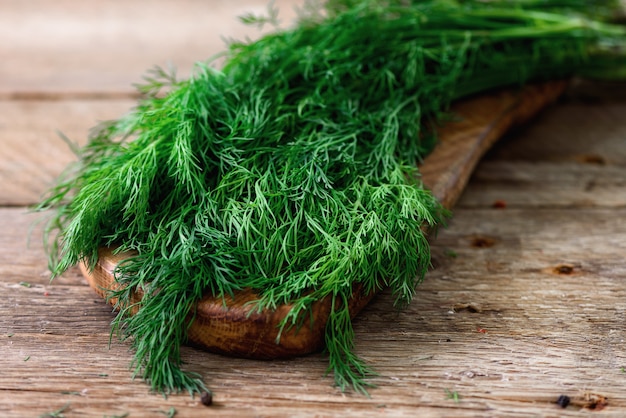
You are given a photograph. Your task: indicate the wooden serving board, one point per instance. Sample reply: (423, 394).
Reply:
(228, 326)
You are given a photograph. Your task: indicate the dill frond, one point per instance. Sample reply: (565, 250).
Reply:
(293, 170)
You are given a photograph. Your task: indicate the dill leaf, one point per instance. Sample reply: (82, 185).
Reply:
(293, 169)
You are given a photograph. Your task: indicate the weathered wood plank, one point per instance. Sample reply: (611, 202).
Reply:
(548, 290)
(32, 154)
(523, 304)
(572, 155)
(582, 165)
(96, 48)
(562, 184)
(574, 130)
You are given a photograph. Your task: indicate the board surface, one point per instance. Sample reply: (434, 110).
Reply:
(233, 327)
(526, 300)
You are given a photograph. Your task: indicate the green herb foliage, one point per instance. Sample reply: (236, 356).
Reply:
(292, 170)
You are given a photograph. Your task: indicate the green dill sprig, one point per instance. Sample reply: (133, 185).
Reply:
(293, 170)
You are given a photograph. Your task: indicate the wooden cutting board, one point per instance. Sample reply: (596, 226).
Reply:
(228, 326)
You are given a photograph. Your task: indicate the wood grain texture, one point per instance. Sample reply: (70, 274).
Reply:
(232, 326)
(31, 128)
(524, 302)
(578, 164)
(479, 123)
(70, 48)
(548, 330)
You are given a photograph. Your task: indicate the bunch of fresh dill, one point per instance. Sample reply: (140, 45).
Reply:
(293, 170)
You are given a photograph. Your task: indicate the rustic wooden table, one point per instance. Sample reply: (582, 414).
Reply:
(524, 303)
